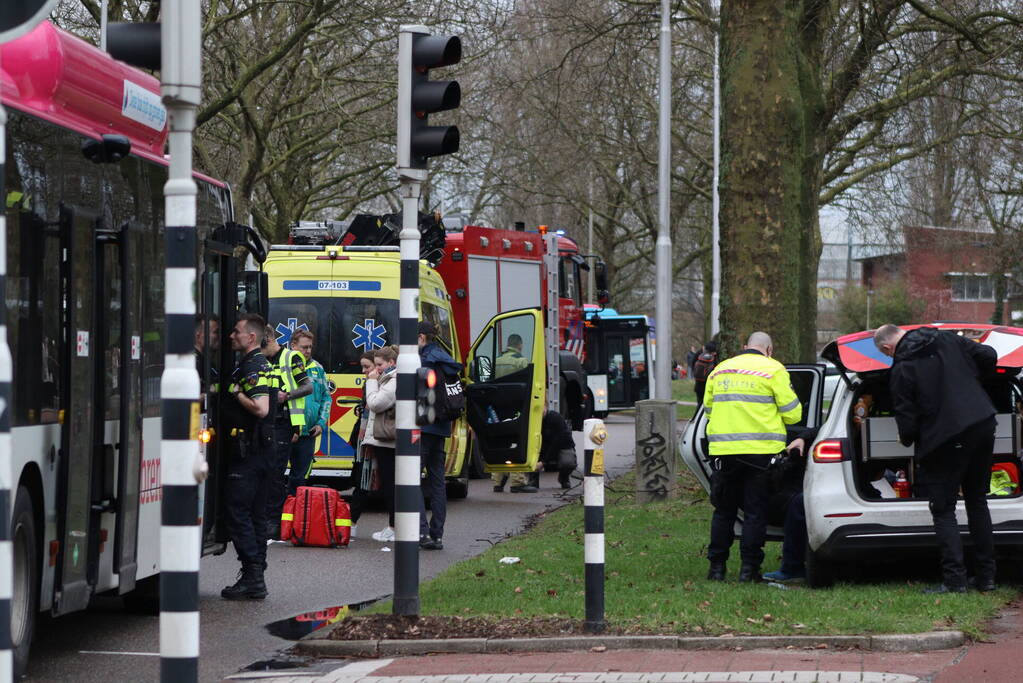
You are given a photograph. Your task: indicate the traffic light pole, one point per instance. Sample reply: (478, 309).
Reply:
(181, 464)
(407, 493)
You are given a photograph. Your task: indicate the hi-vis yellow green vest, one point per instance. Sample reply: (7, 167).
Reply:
(749, 400)
(290, 370)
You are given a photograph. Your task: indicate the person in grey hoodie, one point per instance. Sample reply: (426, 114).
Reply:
(431, 444)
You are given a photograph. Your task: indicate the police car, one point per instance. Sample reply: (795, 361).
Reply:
(853, 512)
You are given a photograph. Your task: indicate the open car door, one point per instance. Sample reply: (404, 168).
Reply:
(507, 378)
(807, 382)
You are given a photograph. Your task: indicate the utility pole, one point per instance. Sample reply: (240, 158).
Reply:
(662, 363)
(15, 21)
(715, 295)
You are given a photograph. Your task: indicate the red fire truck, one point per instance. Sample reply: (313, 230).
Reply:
(488, 271)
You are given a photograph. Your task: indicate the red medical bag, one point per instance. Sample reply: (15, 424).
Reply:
(316, 516)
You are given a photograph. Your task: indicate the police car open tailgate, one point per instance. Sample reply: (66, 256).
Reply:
(856, 353)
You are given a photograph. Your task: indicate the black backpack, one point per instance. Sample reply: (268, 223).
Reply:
(703, 365)
(450, 397)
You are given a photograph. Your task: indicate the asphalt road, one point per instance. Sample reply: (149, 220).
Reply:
(106, 644)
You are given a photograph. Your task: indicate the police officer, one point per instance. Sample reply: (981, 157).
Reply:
(293, 385)
(749, 400)
(252, 451)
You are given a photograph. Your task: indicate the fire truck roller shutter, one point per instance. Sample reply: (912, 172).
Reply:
(482, 293)
(520, 284)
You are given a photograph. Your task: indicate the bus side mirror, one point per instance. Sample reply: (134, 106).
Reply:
(600, 281)
(254, 293)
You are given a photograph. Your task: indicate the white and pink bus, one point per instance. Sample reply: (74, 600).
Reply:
(85, 171)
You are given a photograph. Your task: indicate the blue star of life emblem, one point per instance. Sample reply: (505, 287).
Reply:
(369, 335)
(284, 332)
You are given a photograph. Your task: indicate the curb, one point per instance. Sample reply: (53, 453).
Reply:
(900, 642)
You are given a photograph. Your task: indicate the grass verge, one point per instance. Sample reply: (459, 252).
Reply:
(655, 581)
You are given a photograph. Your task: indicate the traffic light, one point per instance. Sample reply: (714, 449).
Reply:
(173, 47)
(426, 395)
(418, 96)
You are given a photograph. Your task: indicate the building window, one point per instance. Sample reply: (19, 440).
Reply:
(977, 287)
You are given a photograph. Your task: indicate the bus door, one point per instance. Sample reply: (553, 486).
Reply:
(76, 557)
(124, 309)
(219, 302)
(226, 293)
(618, 371)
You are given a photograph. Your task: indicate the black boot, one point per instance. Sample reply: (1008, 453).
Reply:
(250, 585)
(717, 571)
(499, 486)
(749, 573)
(534, 479)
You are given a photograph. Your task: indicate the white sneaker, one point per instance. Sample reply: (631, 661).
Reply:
(384, 535)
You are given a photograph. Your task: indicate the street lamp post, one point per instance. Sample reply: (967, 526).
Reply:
(715, 295)
(662, 364)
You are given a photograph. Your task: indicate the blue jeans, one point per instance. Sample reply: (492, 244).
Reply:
(301, 458)
(793, 547)
(431, 453)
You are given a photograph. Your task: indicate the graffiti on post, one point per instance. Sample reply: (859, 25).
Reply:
(654, 471)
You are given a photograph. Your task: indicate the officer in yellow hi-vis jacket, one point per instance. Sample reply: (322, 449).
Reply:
(748, 401)
(293, 385)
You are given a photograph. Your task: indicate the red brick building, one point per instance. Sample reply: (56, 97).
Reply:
(951, 270)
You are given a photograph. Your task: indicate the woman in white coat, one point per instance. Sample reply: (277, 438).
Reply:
(381, 384)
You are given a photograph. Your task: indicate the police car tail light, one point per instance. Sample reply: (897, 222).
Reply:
(828, 451)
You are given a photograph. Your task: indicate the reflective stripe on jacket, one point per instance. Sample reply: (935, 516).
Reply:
(287, 362)
(749, 400)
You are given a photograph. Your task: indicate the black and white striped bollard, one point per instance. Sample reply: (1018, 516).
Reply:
(594, 435)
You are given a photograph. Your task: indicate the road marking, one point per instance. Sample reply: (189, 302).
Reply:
(363, 672)
(113, 652)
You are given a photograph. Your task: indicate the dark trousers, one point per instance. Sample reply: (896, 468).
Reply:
(698, 389)
(301, 459)
(247, 481)
(741, 482)
(963, 461)
(432, 456)
(385, 467)
(278, 484)
(793, 547)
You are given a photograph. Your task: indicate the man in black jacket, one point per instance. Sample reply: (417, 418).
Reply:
(942, 408)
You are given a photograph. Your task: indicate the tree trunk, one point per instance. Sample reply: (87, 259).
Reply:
(770, 175)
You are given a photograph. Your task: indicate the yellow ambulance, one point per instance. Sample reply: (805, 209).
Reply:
(347, 296)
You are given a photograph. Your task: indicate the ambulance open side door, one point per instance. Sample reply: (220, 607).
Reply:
(505, 391)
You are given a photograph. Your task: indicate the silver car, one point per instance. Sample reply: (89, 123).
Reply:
(853, 513)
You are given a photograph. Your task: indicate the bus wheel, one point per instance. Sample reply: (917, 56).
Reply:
(25, 579)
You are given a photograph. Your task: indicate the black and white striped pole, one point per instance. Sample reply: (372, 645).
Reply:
(594, 435)
(182, 467)
(418, 52)
(16, 19)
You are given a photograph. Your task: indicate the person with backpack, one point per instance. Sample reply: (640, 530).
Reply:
(381, 386)
(432, 436)
(702, 367)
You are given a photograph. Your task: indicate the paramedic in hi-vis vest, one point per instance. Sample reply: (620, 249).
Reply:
(317, 411)
(293, 385)
(748, 401)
